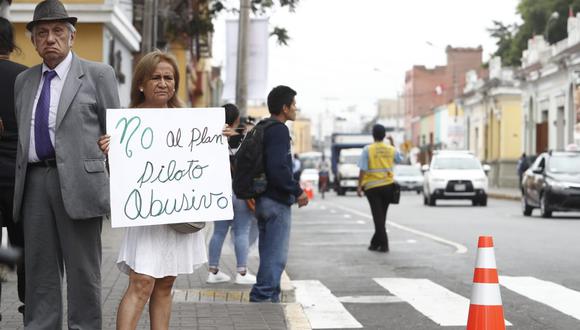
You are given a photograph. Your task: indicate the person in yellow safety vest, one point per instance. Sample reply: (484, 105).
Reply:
(376, 180)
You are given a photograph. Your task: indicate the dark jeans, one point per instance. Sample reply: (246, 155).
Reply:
(274, 224)
(15, 234)
(379, 199)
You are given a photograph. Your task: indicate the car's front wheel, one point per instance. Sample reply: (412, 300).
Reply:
(526, 208)
(545, 211)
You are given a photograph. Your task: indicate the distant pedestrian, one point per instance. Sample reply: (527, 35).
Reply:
(61, 184)
(273, 207)
(296, 167)
(376, 180)
(241, 223)
(522, 167)
(8, 141)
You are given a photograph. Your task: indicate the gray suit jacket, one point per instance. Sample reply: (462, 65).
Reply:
(89, 89)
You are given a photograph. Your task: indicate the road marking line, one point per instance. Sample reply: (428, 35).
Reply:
(370, 299)
(554, 295)
(460, 249)
(441, 305)
(323, 309)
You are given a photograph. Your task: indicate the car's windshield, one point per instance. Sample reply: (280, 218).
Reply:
(564, 164)
(349, 159)
(455, 163)
(407, 171)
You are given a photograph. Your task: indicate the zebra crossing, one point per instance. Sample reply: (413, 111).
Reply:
(442, 306)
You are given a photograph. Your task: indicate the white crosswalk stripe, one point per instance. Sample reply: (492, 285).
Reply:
(323, 309)
(554, 295)
(444, 307)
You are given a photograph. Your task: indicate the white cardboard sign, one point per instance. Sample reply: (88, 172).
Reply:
(168, 166)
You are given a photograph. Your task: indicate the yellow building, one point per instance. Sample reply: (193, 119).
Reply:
(301, 132)
(105, 33)
(494, 123)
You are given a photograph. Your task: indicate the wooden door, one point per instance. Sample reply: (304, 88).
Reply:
(541, 137)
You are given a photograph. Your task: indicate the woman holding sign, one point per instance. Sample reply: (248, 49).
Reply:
(153, 256)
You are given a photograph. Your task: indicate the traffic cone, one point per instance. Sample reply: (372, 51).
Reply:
(485, 309)
(308, 190)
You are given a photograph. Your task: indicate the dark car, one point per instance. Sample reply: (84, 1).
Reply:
(552, 183)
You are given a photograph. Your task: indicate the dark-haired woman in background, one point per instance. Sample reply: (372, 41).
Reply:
(8, 140)
(241, 223)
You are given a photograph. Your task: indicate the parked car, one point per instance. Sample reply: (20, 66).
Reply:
(455, 175)
(552, 183)
(409, 177)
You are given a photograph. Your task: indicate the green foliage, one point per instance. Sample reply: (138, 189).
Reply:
(179, 21)
(537, 19)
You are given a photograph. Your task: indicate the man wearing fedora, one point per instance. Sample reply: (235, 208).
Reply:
(62, 185)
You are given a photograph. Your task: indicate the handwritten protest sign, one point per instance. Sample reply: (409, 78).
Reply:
(168, 166)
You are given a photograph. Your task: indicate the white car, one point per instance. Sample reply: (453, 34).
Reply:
(409, 177)
(455, 175)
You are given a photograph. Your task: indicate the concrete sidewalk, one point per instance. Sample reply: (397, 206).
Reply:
(196, 304)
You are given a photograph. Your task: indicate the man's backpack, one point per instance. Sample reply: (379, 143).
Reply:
(249, 173)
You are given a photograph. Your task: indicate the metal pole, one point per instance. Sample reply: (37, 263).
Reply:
(148, 9)
(242, 68)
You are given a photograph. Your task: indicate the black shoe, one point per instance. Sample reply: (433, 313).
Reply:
(383, 249)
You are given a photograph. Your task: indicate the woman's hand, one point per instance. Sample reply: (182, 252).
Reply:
(228, 131)
(104, 142)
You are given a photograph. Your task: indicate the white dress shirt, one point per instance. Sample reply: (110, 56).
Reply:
(56, 86)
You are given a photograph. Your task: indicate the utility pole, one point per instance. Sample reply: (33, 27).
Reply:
(149, 26)
(242, 67)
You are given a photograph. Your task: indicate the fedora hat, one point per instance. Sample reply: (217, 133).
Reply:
(50, 10)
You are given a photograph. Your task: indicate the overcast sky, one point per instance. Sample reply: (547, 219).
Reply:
(346, 52)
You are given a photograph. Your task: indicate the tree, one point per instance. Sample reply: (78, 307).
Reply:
(193, 19)
(537, 19)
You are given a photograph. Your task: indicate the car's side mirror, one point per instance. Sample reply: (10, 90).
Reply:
(486, 168)
(425, 168)
(538, 170)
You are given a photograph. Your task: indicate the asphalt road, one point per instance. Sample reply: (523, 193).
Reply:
(425, 281)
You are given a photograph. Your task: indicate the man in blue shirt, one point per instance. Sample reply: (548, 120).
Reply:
(273, 207)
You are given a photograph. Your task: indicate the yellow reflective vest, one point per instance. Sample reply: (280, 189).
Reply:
(381, 161)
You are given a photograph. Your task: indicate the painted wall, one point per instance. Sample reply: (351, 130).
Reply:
(88, 44)
(511, 142)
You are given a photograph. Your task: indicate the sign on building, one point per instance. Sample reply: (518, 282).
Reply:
(168, 166)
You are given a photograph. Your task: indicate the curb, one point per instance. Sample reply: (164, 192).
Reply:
(231, 295)
(504, 196)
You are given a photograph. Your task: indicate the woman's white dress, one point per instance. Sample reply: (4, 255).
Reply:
(160, 251)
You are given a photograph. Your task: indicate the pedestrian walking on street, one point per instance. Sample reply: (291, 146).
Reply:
(8, 141)
(296, 167)
(241, 223)
(521, 167)
(61, 184)
(376, 180)
(153, 256)
(273, 206)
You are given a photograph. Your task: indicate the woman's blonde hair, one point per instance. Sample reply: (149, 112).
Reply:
(143, 72)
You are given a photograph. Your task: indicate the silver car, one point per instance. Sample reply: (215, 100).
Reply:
(409, 177)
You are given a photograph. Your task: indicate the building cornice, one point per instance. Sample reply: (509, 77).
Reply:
(108, 14)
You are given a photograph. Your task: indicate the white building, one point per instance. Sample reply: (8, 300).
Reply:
(550, 93)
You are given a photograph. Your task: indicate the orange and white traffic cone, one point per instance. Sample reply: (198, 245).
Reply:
(485, 309)
(309, 191)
